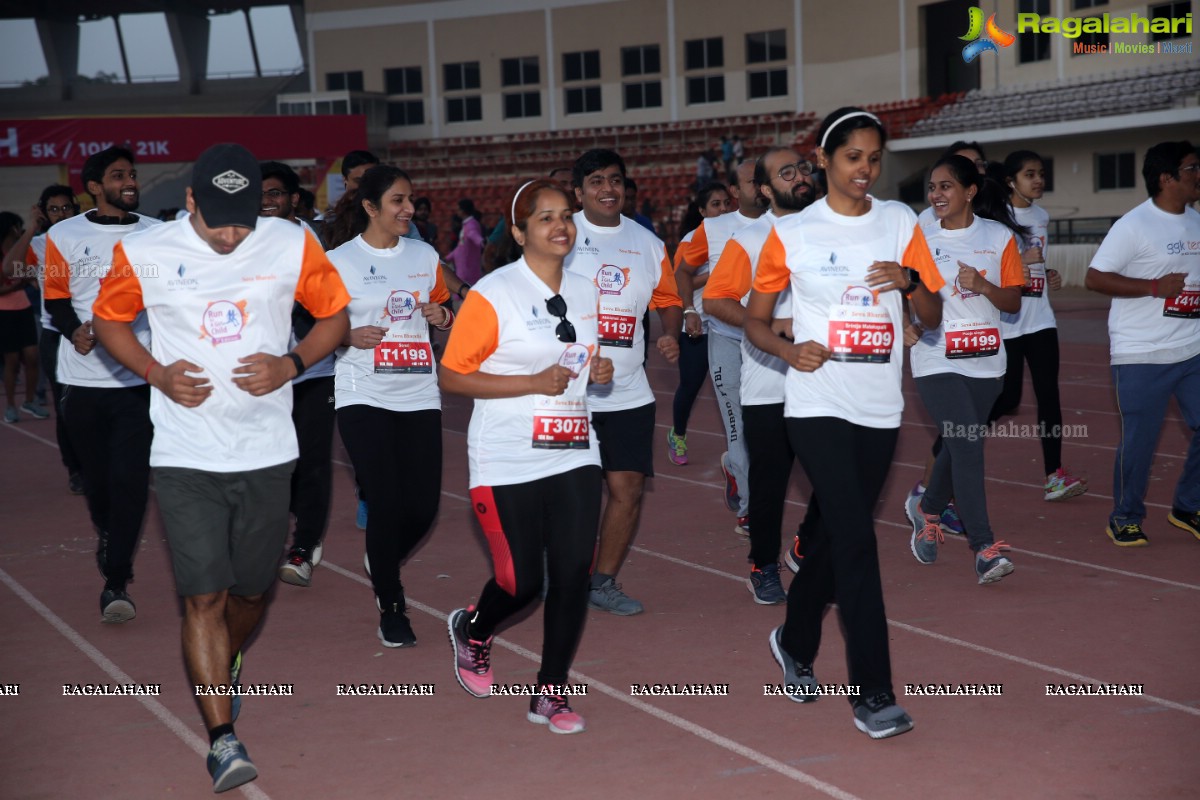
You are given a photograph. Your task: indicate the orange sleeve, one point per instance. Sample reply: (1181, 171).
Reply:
(1011, 273)
(440, 293)
(31, 257)
(666, 294)
(474, 337)
(773, 275)
(320, 288)
(730, 278)
(917, 256)
(120, 297)
(695, 252)
(58, 274)
(679, 254)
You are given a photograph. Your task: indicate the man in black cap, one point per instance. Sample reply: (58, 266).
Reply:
(224, 445)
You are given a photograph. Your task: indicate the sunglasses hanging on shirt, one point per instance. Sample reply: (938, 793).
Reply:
(558, 308)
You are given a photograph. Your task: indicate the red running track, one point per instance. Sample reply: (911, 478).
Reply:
(1076, 610)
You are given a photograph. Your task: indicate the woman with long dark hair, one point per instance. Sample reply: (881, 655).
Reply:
(959, 365)
(385, 390)
(534, 465)
(1031, 332)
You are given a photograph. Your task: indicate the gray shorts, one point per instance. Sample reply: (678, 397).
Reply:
(226, 530)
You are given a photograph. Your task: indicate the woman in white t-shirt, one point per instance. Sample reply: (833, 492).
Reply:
(525, 351)
(849, 259)
(712, 201)
(1031, 334)
(385, 390)
(959, 366)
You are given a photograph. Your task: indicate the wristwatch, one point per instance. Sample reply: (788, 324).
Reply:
(914, 280)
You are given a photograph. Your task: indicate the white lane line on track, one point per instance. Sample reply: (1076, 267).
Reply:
(172, 722)
(941, 637)
(699, 731)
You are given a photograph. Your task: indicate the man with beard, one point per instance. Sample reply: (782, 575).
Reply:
(312, 405)
(724, 340)
(785, 180)
(106, 407)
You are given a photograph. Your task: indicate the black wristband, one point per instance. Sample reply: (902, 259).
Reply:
(464, 286)
(914, 280)
(296, 360)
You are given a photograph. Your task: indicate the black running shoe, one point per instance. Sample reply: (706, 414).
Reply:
(394, 628)
(1185, 521)
(1128, 535)
(116, 605)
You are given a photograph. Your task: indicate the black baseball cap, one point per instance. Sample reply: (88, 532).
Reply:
(227, 186)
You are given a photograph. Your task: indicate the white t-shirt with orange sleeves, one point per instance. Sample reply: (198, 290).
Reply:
(503, 328)
(969, 341)
(212, 310)
(763, 375)
(705, 248)
(1149, 243)
(824, 256)
(1035, 314)
(697, 294)
(628, 265)
(35, 257)
(385, 287)
(79, 253)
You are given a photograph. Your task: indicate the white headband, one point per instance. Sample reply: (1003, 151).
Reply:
(842, 119)
(514, 203)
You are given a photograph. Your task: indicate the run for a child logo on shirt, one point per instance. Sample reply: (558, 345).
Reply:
(223, 321)
(401, 304)
(965, 294)
(575, 357)
(612, 279)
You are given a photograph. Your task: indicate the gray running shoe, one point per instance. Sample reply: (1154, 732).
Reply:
(798, 680)
(927, 530)
(609, 597)
(879, 717)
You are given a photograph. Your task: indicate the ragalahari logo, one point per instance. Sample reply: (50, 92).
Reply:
(983, 37)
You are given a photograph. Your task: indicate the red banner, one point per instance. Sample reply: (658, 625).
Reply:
(48, 142)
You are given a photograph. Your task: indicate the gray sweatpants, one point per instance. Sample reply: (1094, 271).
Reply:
(959, 407)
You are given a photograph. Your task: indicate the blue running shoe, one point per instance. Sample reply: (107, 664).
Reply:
(950, 522)
(229, 765)
(360, 516)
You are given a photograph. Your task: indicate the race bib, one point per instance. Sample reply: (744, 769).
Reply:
(403, 354)
(1185, 305)
(860, 334)
(971, 339)
(616, 330)
(1037, 281)
(561, 423)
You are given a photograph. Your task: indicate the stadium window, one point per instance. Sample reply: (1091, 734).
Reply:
(1048, 168)
(344, 81)
(643, 95)
(402, 80)
(1078, 4)
(519, 71)
(1033, 47)
(522, 104)
(1170, 11)
(581, 66)
(768, 83)
(704, 53)
(458, 77)
(406, 112)
(709, 89)
(1089, 43)
(640, 60)
(583, 100)
(1114, 171)
(464, 109)
(766, 46)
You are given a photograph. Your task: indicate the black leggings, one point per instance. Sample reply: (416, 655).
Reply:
(1040, 349)
(397, 457)
(312, 482)
(771, 458)
(693, 372)
(558, 515)
(48, 353)
(111, 432)
(847, 465)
